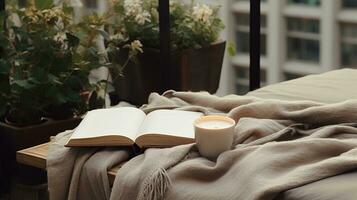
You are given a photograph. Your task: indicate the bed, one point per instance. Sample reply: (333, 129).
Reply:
(331, 87)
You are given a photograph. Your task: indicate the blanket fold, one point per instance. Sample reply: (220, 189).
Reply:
(278, 145)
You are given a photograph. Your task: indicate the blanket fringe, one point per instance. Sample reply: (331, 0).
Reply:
(155, 186)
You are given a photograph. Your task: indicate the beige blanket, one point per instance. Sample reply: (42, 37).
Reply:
(278, 146)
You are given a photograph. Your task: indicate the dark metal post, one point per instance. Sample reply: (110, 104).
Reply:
(2, 5)
(254, 72)
(164, 18)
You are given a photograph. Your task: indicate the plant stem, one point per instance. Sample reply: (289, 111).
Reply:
(107, 80)
(105, 89)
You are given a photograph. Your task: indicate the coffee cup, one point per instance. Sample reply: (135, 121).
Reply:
(214, 135)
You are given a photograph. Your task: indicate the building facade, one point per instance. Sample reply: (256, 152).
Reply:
(298, 37)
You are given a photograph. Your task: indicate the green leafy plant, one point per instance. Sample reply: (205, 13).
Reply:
(192, 25)
(46, 59)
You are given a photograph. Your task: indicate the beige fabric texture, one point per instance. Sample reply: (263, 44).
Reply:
(331, 87)
(278, 146)
(80, 173)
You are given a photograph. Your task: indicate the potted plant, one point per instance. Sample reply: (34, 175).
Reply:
(46, 60)
(45, 63)
(196, 51)
(40, 74)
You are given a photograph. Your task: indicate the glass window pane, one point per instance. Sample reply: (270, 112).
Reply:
(348, 55)
(349, 3)
(289, 76)
(242, 74)
(243, 20)
(303, 25)
(303, 49)
(349, 45)
(243, 43)
(242, 34)
(349, 31)
(303, 39)
(305, 2)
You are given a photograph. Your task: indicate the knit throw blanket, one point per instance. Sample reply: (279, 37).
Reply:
(278, 145)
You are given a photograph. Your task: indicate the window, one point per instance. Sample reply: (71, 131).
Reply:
(305, 2)
(242, 34)
(349, 45)
(303, 39)
(349, 3)
(242, 82)
(290, 76)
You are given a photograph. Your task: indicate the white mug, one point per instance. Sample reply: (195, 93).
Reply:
(214, 135)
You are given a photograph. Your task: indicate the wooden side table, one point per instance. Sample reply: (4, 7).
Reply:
(36, 157)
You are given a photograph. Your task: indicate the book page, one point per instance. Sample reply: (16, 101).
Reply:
(170, 123)
(123, 121)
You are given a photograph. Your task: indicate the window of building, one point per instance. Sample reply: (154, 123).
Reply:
(305, 2)
(242, 34)
(242, 81)
(290, 76)
(240, 61)
(303, 39)
(349, 3)
(349, 45)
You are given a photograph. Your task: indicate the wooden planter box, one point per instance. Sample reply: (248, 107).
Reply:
(14, 138)
(190, 70)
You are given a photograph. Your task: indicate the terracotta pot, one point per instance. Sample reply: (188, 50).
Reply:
(190, 70)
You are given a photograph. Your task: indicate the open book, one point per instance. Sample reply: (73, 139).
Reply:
(125, 126)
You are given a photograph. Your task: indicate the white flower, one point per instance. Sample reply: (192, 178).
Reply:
(202, 12)
(133, 7)
(173, 5)
(143, 17)
(136, 46)
(60, 37)
(117, 37)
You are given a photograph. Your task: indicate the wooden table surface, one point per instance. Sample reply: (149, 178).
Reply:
(36, 157)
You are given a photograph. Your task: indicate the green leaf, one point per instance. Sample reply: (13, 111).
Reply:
(73, 41)
(4, 67)
(67, 9)
(54, 79)
(43, 4)
(23, 84)
(74, 82)
(231, 49)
